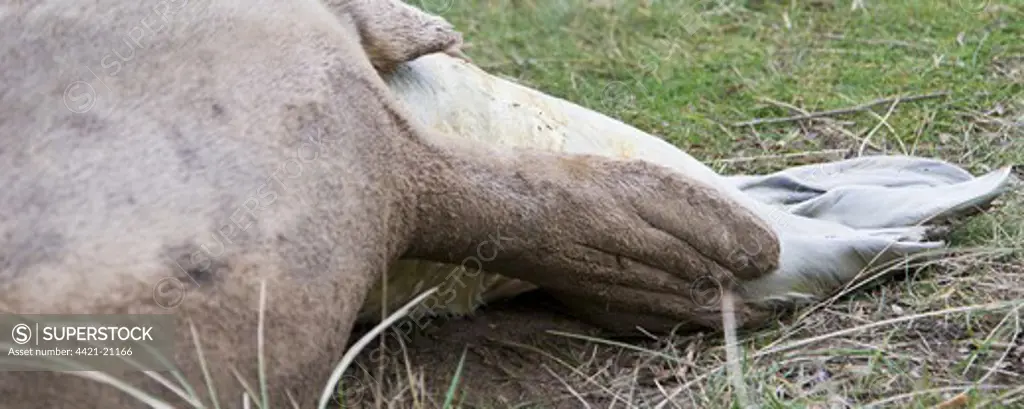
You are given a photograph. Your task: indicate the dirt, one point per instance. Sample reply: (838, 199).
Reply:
(511, 359)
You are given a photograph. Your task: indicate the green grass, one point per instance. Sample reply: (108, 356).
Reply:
(685, 70)
(689, 70)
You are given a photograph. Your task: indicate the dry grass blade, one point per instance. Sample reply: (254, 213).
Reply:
(604, 388)
(1015, 313)
(410, 377)
(249, 391)
(260, 341)
(107, 379)
(622, 345)
(141, 396)
(292, 401)
(210, 387)
(188, 393)
(867, 138)
(189, 396)
(808, 341)
(354, 350)
(842, 111)
(567, 387)
(732, 350)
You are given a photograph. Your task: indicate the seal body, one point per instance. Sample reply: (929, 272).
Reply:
(170, 158)
(223, 161)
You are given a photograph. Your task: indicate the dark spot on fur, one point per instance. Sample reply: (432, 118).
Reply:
(120, 198)
(217, 110)
(88, 122)
(183, 149)
(200, 263)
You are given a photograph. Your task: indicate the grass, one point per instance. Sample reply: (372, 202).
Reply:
(685, 70)
(688, 71)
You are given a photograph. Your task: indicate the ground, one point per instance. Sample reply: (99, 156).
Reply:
(691, 72)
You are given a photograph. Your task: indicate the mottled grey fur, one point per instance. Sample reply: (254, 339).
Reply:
(222, 143)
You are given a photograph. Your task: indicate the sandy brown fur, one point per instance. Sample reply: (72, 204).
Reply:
(221, 143)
